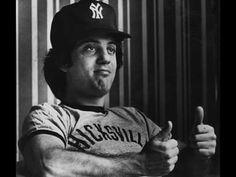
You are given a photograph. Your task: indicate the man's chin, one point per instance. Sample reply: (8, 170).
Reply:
(97, 95)
(102, 87)
(102, 92)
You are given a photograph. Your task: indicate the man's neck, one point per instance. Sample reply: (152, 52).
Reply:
(93, 101)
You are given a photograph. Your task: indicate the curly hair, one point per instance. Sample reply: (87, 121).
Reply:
(56, 78)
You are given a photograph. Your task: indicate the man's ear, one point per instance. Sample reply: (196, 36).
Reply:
(64, 68)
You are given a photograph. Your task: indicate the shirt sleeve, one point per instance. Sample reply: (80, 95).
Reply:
(44, 119)
(152, 128)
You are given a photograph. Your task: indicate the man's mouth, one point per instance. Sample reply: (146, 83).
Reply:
(103, 72)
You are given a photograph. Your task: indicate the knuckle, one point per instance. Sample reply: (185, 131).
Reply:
(175, 142)
(199, 128)
(170, 168)
(177, 151)
(210, 153)
(172, 161)
(214, 137)
(176, 159)
(198, 144)
(211, 128)
(195, 137)
(168, 162)
(168, 154)
(213, 144)
(164, 147)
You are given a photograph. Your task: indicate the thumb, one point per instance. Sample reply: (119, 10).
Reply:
(199, 115)
(165, 133)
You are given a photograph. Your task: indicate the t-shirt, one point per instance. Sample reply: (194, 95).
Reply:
(116, 130)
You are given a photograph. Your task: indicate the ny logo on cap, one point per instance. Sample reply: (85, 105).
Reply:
(97, 11)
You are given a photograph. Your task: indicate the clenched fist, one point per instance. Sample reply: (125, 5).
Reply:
(203, 137)
(161, 153)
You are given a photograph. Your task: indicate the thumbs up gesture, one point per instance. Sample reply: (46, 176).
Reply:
(165, 133)
(161, 153)
(203, 138)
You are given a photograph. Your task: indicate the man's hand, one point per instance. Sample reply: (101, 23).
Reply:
(203, 138)
(161, 153)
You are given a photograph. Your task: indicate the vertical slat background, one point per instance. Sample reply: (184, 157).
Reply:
(171, 64)
(17, 78)
(24, 61)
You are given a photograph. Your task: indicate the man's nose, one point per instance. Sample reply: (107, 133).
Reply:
(103, 57)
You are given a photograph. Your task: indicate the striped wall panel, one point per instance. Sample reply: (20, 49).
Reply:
(171, 64)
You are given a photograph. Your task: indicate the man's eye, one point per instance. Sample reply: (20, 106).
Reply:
(90, 48)
(111, 50)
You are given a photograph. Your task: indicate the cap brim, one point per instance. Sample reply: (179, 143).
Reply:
(117, 35)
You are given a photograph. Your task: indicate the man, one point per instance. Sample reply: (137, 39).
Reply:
(81, 137)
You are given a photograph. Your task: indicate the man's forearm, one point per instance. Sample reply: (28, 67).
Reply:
(59, 162)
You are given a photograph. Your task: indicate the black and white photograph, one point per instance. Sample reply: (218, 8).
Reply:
(117, 88)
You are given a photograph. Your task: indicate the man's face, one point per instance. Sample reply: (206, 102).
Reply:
(93, 67)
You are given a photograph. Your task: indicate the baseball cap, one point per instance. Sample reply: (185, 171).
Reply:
(80, 20)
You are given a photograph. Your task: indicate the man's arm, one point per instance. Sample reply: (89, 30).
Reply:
(45, 156)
